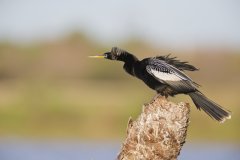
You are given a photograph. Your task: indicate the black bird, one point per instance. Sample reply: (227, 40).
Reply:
(165, 75)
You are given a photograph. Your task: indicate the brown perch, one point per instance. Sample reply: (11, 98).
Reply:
(158, 133)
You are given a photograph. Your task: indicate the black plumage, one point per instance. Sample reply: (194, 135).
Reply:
(166, 76)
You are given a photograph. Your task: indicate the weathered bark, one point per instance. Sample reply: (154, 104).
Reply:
(158, 133)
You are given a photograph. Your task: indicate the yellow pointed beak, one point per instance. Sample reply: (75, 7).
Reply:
(98, 56)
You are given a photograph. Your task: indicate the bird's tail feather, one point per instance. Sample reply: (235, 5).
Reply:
(211, 108)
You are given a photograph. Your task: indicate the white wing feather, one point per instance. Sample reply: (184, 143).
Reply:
(164, 76)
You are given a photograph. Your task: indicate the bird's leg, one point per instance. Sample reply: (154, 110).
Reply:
(161, 91)
(156, 96)
(159, 95)
(153, 99)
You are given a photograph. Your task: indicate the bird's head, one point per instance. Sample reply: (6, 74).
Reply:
(115, 54)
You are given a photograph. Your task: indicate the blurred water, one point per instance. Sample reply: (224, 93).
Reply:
(59, 150)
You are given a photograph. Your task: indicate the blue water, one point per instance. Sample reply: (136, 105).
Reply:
(78, 150)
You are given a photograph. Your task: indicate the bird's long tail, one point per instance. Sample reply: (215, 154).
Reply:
(211, 108)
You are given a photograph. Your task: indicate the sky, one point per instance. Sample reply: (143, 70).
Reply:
(171, 22)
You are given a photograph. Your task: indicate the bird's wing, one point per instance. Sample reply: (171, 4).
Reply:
(168, 74)
(177, 63)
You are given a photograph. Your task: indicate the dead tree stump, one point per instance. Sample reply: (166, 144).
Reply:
(158, 133)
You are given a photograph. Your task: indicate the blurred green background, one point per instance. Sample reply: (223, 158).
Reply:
(53, 90)
(50, 89)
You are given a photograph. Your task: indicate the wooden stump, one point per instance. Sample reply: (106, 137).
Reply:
(158, 133)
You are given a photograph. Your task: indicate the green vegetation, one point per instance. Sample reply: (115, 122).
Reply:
(53, 90)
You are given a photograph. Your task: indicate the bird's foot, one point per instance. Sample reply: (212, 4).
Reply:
(158, 95)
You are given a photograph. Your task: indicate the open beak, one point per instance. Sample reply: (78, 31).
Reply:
(98, 56)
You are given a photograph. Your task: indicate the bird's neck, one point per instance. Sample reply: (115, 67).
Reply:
(127, 58)
(130, 62)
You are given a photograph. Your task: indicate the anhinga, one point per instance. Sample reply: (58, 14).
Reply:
(165, 75)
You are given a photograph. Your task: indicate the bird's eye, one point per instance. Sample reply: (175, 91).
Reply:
(105, 55)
